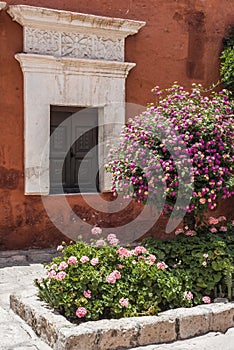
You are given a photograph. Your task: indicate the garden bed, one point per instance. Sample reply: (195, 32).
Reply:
(125, 333)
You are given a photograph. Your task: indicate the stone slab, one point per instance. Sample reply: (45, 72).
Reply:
(60, 334)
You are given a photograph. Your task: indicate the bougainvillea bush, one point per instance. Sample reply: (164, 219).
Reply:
(180, 147)
(104, 280)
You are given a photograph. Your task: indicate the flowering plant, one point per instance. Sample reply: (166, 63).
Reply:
(93, 281)
(180, 147)
(206, 259)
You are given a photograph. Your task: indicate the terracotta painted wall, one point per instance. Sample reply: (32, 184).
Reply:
(181, 42)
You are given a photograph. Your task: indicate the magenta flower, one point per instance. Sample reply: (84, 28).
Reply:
(81, 312)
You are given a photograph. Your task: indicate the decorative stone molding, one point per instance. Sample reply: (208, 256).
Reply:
(70, 59)
(2, 5)
(70, 34)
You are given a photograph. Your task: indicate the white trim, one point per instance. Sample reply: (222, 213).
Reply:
(66, 20)
(2, 5)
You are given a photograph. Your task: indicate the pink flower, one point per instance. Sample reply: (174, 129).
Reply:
(51, 274)
(59, 248)
(152, 258)
(111, 236)
(94, 261)
(114, 241)
(100, 242)
(161, 265)
(222, 218)
(40, 279)
(213, 221)
(84, 259)
(178, 231)
(87, 294)
(61, 275)
(139, 250)
(124, 302)
(63, 265)
(96, 230)
(188, 295)
(190, 233)
(223, 228)
(213, 229)
(111, 278)
(205, 256)
(123, 252)
(206, 300)
(81, 312)
(232, 222)
(72, 260)
(120, 266)
(117, 274)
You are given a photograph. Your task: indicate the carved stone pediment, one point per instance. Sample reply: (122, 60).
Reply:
(69, 34)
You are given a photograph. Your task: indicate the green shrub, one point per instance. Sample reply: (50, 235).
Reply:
(227, 62)
(119, 283)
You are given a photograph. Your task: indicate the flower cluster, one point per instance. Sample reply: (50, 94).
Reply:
(181, 144)
(90, 281)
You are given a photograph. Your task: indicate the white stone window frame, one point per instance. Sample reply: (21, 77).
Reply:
(91, 75)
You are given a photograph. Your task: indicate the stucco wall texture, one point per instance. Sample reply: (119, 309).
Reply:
(181, 41)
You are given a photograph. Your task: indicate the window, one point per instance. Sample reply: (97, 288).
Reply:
(78, 166)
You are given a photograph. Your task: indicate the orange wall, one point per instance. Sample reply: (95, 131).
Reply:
(181, 42)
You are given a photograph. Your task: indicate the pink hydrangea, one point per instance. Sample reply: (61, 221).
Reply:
(81, 312)
(96, 230)
(84, 259)
(117, 274)
(223, 229)
(61, 275)
(72, 260)
(206, 300)
(94, 261)
(213, 229)
(120, 266)
(87, 294)
(188, 295)
(111, 236)
(124, 302)
(139, 250)
(62, 266)
(161, 265)
(152, 258)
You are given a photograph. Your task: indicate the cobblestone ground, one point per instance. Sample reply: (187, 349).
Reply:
(17, 335)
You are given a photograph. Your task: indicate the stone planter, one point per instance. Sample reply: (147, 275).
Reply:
(126, 333)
